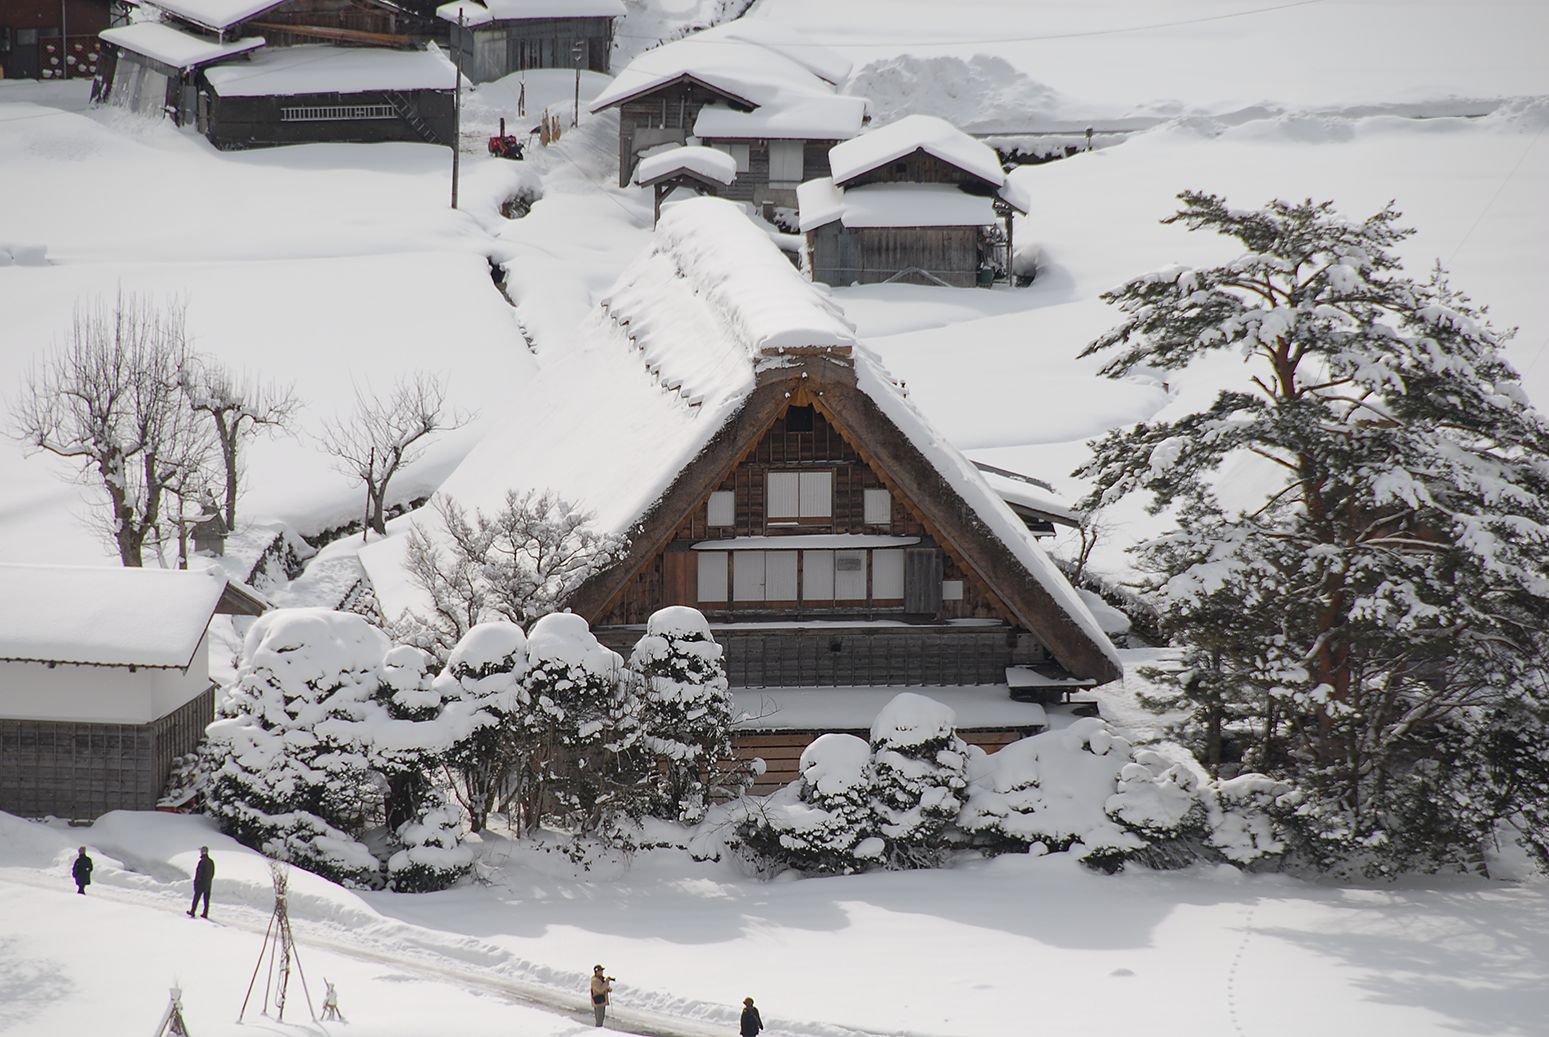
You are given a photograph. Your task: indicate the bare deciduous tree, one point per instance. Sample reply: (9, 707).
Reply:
(109, 400)
(386, 433)
(238, 408)
(519, 564)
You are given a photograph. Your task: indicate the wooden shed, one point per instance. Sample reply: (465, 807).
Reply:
(685, 172)
(51, 39)
(918, 201)
(106, 680)
(254, 73)
(499, 37)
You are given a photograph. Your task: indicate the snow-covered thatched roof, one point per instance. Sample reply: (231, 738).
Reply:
(914, 133)
(106, 616)
(708, 321)
(737, 62)
(161, 42)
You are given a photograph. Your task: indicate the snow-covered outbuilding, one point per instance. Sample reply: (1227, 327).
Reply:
(772, 103)
(685, 172)
(719, 411)
(499, 37)
(917, 200)
(104, 681)
(257, 73)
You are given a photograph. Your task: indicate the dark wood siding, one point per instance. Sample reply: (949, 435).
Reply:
(500, 48)
(76, 770)
(921, 168)
(781, 750)
(868, 255)
(424, 116)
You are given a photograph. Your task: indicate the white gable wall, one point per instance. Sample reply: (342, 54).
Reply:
(100, 694)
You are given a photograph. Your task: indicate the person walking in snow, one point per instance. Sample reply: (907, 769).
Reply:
(751, 1021)
(602, 986)
(80, 871)
(204, 877)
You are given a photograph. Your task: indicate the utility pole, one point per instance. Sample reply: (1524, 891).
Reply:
(457, 105)
(64, 40)
(578, 51)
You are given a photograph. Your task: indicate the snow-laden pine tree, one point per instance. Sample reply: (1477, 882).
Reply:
(592, 770)
(486, 710)
(410, 751)
(685, 714)
(433, 855)
(290, 762)
(1360, 568)
(918, 778)
(822, 822)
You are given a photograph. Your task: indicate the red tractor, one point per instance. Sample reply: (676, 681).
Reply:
(503, 145)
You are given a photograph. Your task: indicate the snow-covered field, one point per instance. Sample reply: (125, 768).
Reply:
(335, 266)
(1013, 945)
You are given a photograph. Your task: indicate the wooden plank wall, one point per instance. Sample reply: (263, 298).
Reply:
(781, 750)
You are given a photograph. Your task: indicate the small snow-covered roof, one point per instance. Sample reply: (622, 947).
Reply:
(161, 42)
(813, 118)
(326, 70)
(523, 10)
(215, 14)
(105, 616)
(914, 133)
(741, 68)
(891, 205)
(707, 162)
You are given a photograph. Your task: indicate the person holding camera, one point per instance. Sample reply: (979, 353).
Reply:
(602, 986)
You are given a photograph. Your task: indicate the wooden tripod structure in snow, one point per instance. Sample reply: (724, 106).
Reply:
(280, 945)
(172, 1024)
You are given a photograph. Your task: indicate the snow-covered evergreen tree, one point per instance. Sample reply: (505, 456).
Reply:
(1365, 598)
(409, 752)
(290, 763)
(822, 822)
(685, 714)
(433, 855)
(918, 775)
(590, 762)
(486, 710)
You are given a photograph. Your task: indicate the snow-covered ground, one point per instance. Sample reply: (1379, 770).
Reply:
(332, 266)
(1013, 945)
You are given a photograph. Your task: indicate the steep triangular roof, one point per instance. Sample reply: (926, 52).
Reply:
(694, 352)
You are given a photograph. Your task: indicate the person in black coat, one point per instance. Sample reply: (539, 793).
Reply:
(751, 1021)
(204, 876)
(80, 871)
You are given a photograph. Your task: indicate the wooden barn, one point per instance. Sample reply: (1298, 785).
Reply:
(51, 39)
(105, 678)
(256, 73)
(773, 107)
(685, 172)
(499, 37)
(917, 201)
(768, 471)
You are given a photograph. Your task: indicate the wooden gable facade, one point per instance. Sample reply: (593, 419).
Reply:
(665, 115)
(827, 550)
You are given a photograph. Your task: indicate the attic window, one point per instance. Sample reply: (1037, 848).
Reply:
(799, 498)
(799, 419)
(722, 509)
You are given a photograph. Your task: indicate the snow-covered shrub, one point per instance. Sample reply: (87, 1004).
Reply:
(590, 767)
(1047, 793)
(433, 855)
(918, 774)
(1158, 800)
(822, 822)
(1243, 826)
(685, 714)
(410, 746)
(485, 709)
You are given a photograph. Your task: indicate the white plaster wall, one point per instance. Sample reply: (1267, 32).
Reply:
(99, 694)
